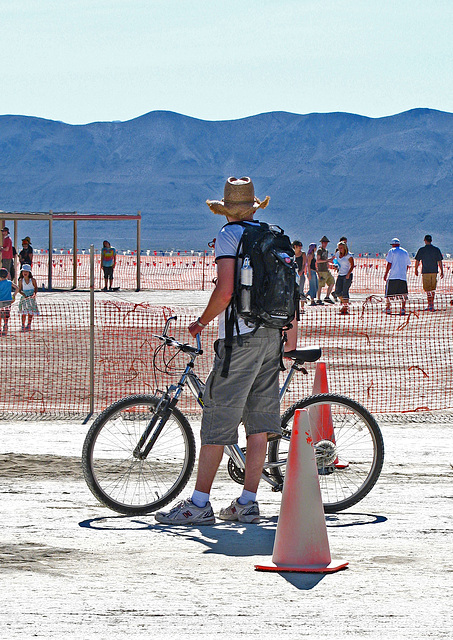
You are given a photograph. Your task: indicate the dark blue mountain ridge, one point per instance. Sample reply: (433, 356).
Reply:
(333, 173)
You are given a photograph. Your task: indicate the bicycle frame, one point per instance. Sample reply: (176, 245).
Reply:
(196, 387)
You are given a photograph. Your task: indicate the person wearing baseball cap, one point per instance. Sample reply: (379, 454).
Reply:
(325, 278)
(398, 262)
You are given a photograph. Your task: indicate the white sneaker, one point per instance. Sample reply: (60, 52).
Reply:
(186, 512)
(248, 513)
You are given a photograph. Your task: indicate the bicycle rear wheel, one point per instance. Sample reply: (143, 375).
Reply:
(128, 484)
(349, 448)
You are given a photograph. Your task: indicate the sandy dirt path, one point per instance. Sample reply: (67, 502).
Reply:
(70, 568)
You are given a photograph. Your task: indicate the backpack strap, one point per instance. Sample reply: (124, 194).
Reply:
(283, 340)
(231, 320)
(231, 316)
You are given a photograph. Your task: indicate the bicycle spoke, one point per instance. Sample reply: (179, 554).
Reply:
(349, 458)
(131, 484)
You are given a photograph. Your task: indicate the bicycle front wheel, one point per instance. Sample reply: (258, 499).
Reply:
(349, 448)
(124, 482)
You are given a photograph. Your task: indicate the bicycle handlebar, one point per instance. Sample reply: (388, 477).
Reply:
(172, 342)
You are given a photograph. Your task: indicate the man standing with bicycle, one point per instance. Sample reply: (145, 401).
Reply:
(250, 390)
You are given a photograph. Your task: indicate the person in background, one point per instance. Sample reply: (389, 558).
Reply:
(312, 276)
(26, 254)
(336, 264)
(398, 262)
(325, 278)
(301, 261)
(108, 262)
(431, 258)
(7, 250)
(28, 288)
(345, 240)
(13, 264)
(8, 292)
(345, 263)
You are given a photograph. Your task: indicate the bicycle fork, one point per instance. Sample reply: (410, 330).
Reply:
(163, 411)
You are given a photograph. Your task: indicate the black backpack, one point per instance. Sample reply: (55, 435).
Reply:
(272, 299)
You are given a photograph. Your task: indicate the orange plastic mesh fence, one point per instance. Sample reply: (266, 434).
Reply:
(196, 272)
(389, 363)
(184, 272)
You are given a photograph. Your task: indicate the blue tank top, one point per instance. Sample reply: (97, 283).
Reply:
(5, 290)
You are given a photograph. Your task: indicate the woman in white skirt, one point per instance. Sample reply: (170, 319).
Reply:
(28, 289)
(345, 263)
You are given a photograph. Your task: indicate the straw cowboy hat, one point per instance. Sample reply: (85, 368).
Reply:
(238, 200)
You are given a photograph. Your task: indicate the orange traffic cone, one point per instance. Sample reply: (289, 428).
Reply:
(321, 417)
(301, 543)
(320, 382)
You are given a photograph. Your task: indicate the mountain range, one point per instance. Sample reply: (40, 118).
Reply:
(326, 173)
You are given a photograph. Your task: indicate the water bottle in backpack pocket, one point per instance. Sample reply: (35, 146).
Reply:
(246, 284)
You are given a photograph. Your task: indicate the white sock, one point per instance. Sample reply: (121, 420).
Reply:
(200, 499)
(246, 496)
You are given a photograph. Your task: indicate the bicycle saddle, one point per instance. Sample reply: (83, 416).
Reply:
(305, 354)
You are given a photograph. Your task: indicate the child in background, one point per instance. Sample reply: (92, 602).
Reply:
(28, 288)
(26, 255)
(7, 298)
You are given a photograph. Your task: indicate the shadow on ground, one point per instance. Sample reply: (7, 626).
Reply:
(233, 539)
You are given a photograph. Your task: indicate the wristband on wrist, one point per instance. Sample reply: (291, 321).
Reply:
(200, 324)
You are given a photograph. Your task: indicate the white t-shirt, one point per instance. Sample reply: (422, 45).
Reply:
(344, 263)
(399, 259)
(226, 246)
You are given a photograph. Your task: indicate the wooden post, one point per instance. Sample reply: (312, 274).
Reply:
(204, 267)
(15, 260)
(138, 250)
(49, 266)
(91, 329)
(74, 258)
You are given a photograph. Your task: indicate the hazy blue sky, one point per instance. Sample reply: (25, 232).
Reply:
(81, 61)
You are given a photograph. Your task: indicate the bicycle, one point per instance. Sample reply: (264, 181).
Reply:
(139, 453)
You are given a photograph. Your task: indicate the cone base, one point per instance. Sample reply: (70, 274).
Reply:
(330, 568)
(341, 465)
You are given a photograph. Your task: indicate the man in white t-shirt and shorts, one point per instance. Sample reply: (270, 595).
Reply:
(249, 393)
(398, 262)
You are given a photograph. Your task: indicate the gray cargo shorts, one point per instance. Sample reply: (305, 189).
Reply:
(250, 393)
